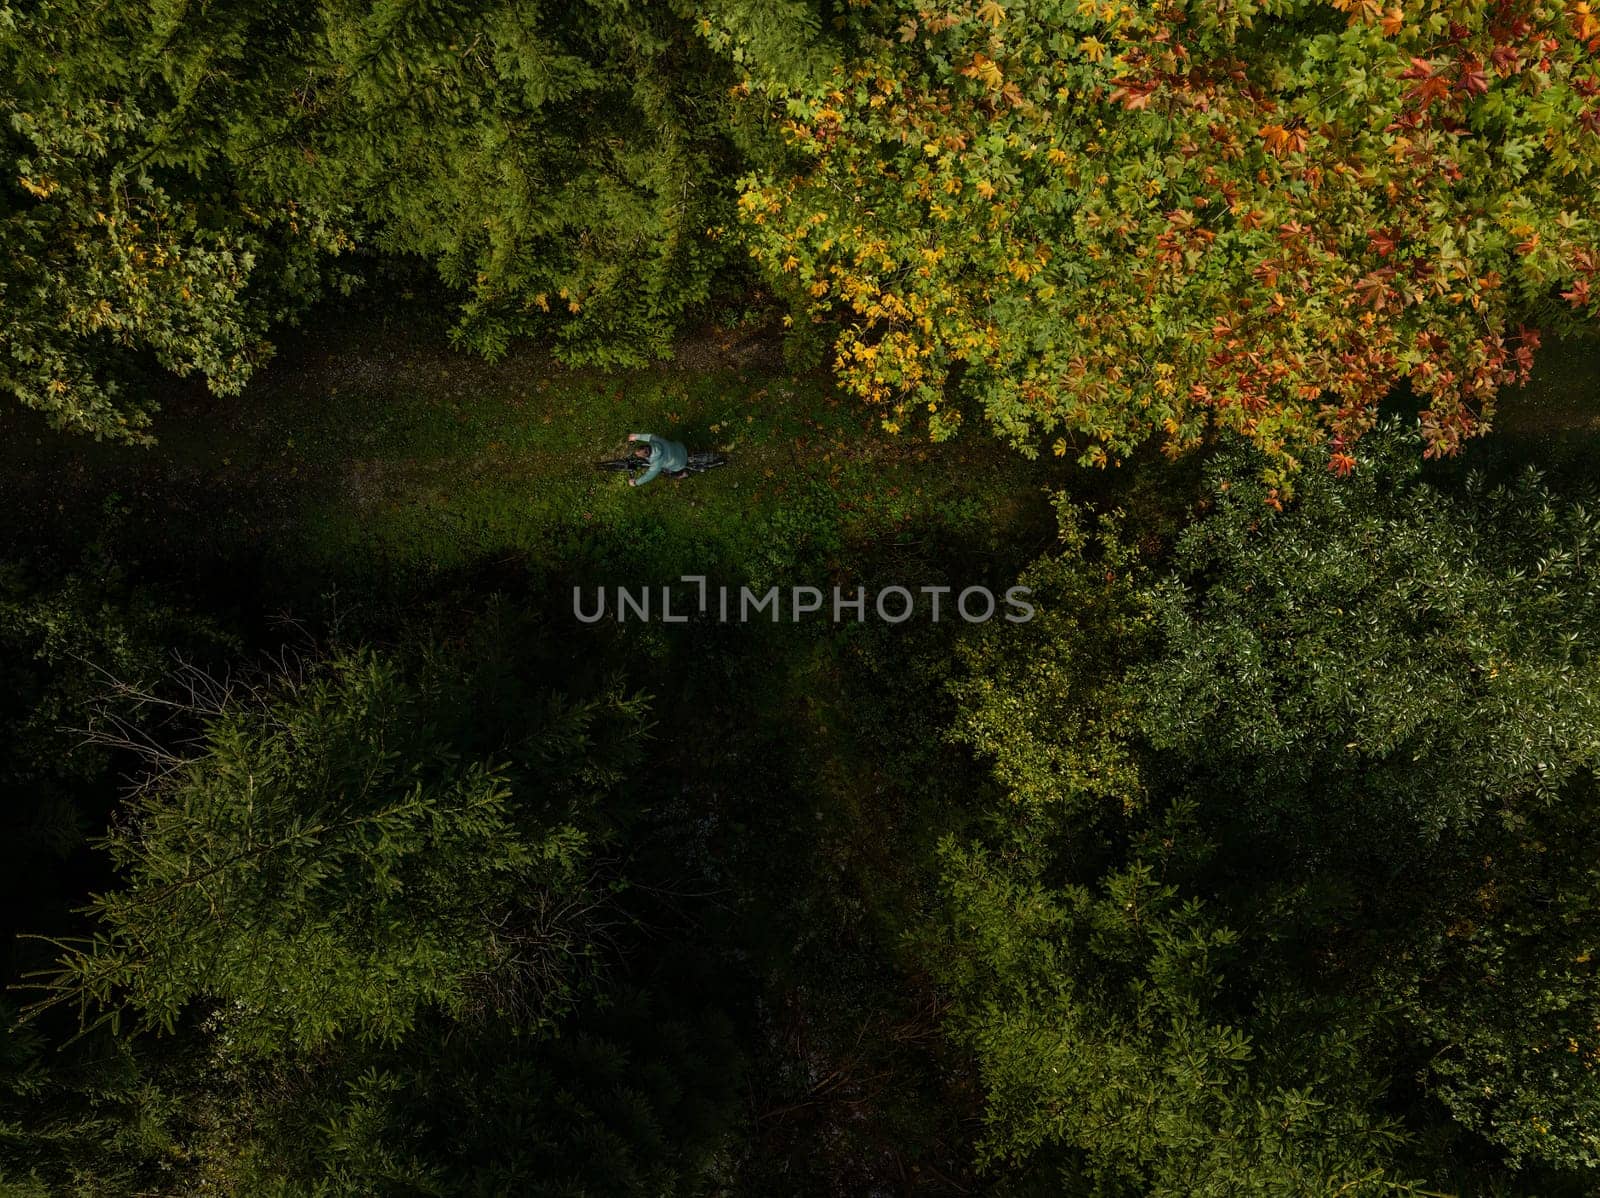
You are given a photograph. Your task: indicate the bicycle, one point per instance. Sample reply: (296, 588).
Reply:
(699, 463)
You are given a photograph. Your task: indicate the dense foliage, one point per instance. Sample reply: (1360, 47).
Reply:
(298, 873)
(338, 859)
(1099, 222)
(366, 900)
(1115, 220)
(177, 184)
(1293, 823)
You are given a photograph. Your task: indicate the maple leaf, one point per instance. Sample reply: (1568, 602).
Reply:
(1584, 22)
(1473, 77)
(1373, 290)
(985, 70)
(1383, 242)
(1578, 297)
(1285, 139)
(991, 12)
(1393, 22)
(1429, 90)
(1093, 48)
(1362, 12)
(1133, 94)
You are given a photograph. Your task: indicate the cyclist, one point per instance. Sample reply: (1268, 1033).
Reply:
(664, 455)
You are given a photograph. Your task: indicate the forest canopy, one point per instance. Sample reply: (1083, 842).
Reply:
(1093, 224)
(1254, 340)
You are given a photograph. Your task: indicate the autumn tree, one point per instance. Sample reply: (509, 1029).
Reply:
(1099, 222)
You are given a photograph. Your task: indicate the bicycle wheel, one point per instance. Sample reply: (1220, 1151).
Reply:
(623, 464)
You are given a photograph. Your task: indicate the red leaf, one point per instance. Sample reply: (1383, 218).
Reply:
(1473, 77)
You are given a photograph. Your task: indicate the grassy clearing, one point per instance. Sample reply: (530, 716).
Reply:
(365, 445)
(371, 445)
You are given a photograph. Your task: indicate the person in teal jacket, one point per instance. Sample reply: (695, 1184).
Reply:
(664, 455)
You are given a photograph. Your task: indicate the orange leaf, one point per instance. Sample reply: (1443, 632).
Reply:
(1285, 139)
(1362, 12)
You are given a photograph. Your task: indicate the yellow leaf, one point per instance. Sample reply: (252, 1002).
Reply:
(1093, 48)
(991, 12)
(986, 71)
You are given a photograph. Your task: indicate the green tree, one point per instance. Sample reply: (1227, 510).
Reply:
(1360, 731)
(325, 865)
(103, 264)
(134, 226)
(371, 908)
(179, 182)
(1504, 995)
(1112, 1061)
